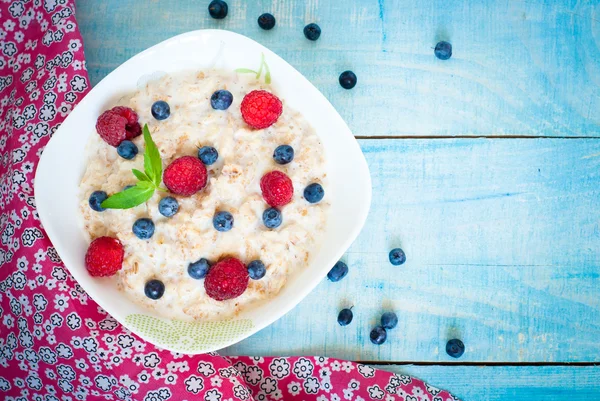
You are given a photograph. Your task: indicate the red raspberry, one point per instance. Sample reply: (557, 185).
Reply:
(185, 176)
(133, 128)
(261, 109)
(117, 124)
(277, 188)
(226, 280)
(104, 257)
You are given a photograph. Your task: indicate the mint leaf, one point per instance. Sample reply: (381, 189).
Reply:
(152, 162)
(131, 197)
(245, 71)
(140, 176)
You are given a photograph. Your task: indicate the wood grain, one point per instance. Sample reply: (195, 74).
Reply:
(518, 67)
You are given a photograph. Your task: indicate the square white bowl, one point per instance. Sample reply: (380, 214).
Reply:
(63, 162)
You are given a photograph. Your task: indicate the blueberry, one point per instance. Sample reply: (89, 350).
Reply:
(283, 154)
(345, 317)
(198, 269)
(314, 193)
(127, 150)
(143, 228)
(168, 206)
(223, 221)
(397, 257)
(96, 199)
(161, 110)
(312, 31)
(378, 335)
(154, 289)
(443, 50)
(389, 320)
(208, 155)
(455, 348)
(256, 270)
(266, 21)
(338, 271)
(126, 187)
(348, 79)
(272, 218)
(217, 9)
(221, 100)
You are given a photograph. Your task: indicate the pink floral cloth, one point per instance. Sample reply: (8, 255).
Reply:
(55, 342)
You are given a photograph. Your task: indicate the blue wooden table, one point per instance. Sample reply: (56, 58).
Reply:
(486, 171)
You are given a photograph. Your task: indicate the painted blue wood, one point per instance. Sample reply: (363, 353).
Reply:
(518, 67)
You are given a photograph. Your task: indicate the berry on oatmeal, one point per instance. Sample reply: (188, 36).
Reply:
(96, 199)
(160, 110)
(314, 193)
(283, 154)
(208, 155)
(185, 176)
(227, 279)
(104, 257)
(261, 109)
(154, 289)
(198, 269)
(223, 221)
(277, 188)
(143, 228)
(117, 124)
(256, 270)
(221, 99)
(272, 218)
(127, 150)
(168, 206)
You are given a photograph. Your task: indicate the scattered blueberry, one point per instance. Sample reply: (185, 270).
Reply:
(208, 155)
(314, 193)
(397, 257)
(221, 99)
(143, 228)
(266, 21)
(345, 317)
(348, 79)
(168, 206)
(223, 221)
(127, 150)
(312, 31)
(272, 218)
(198, 269)
(283, 154)
(154, 289)
(96, 199)
(256, 270)
(217, 9)
(389, 320)
(455, 348)
(338, 271)
(126, 187)
(378, 335)
(161, 110)
(443, 50)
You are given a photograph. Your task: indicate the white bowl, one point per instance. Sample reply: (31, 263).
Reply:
(63, 163)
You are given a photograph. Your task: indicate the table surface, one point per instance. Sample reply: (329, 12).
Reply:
(485, 167)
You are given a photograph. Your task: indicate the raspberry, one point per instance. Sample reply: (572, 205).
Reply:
(104, 257)
(117, 124)
(226, 280)
(132, 127)
(261, 109)
(185, 176)
(277, 188)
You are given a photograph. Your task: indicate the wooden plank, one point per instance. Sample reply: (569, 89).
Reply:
(514, 383)
(518, 67)
(502, 238)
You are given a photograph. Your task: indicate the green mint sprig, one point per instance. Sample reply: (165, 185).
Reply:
(263, 65)
(148, 181)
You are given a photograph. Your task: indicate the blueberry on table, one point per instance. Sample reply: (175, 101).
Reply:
(223, 221)
(154, 289)
(168, 206)
(314, 193)
(397, 257)
(283, 154)
(378, 335)
(221, 99)
(161, 110)
(218, 9)
(389, 320)
(345, 317)
(96, 199)
(256, 270)
(443, 50)
(348, 79)
(143, 228)
(312, 31)
(127, 150)
(198, 269)
(272, 218)
(266, 21)
(338, 271)
(208, 155)
(455, 348)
